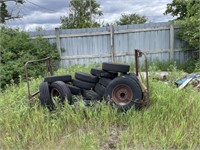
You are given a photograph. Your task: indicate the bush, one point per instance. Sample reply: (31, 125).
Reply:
(16, 49)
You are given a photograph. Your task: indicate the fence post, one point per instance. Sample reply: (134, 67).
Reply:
(58, 41)
(112, 42)
(171, 53)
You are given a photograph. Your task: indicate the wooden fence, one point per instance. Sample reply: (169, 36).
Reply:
(117, 43)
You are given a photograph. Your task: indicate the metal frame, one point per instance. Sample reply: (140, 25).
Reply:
(48, 68)
(146, 97)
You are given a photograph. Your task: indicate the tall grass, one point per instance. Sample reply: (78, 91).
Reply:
(171, 122)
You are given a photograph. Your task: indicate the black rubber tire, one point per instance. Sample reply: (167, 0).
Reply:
(100, 89)
(86, 77)
(90, 95)
(124, 93)
(83, 84)
(104, 81)
(64, 78)
(44, 96)
(74, 90)
(104, 74)
(114, 67)
(132, 76)
(60, 89)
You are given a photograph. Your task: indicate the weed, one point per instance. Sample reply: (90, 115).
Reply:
(171, 122)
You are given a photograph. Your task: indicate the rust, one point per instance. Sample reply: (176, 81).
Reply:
(146, 97)
(122, 95)
(48, 68)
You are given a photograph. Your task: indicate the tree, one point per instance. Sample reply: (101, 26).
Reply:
(82, 14)
(177, 8)
(3, 12)
(187, 13)
(16, 49)
(131, 19)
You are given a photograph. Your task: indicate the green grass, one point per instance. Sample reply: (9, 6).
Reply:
(171, 122)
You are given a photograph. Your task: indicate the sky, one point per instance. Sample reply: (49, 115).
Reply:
(47, 13)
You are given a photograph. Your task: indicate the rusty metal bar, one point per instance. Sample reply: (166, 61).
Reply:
(48, 68)
(136, 62)
(147, 70)
(138, 54)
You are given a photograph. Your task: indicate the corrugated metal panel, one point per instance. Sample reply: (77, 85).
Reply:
(89, 42)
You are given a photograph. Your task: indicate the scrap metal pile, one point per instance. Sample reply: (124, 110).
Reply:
(193, 79)
(112, 83)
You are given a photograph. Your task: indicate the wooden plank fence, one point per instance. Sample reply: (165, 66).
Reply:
(117, 43)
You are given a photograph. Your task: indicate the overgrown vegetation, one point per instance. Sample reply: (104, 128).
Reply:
(189, 66)
(16, 49)
(171, 122)
(187, 13)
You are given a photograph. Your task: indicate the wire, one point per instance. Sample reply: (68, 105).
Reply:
(41, 6)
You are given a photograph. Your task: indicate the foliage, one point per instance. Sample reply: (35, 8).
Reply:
(16, 49)
(82, 14)
(189, 66)
(131, 19)
(177, 8)
(187, 13)
(171, 122)
(3, 12)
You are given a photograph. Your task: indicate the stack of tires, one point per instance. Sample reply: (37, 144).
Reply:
(112, 83)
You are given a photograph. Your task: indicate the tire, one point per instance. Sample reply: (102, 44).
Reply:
(132, 76)
(90, 95)
(83, 84)
(104, 74)
(86, 77)
(104, 81)
(100, 89)
(44, 97)
(114, 67)
(64, 78)
(74, 90)
(59, 92)
(124, 93)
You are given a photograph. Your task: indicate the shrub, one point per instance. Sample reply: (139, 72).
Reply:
(16, 49)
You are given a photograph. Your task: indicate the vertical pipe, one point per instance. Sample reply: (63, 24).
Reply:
(112, 43)
(136, 62)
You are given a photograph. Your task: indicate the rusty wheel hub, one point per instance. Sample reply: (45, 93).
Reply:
(122, 95)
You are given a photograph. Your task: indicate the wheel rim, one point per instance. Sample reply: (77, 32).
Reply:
(55, 96)
(122, 95)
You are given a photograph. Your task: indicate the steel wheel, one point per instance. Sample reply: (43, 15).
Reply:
(122, 94)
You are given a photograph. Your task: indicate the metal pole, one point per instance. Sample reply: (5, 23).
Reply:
(136, 62)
